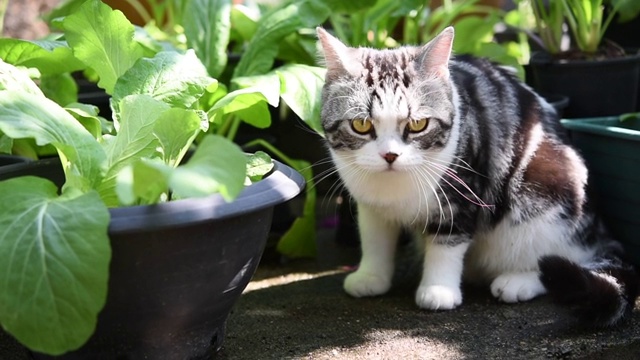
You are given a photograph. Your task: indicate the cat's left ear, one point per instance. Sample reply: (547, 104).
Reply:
(434, 57)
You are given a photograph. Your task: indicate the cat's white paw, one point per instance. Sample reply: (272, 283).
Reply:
(360, 284)
(512, 288)
(438, 297)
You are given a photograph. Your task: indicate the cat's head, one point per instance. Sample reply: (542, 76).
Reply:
(388, 110)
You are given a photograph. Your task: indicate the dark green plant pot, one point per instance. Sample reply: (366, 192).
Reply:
(595, 88)
(612, 151)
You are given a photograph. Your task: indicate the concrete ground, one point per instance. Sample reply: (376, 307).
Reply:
(298, 310)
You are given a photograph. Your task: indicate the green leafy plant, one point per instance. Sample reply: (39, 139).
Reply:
(587, 21)
(279, 35)
(3, 10)
(549, 20)
(275, 51)
(389, 23)
(54, 248)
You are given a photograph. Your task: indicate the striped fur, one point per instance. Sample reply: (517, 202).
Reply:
(490, 185)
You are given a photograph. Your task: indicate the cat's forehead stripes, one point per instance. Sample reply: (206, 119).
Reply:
(390, 66)
(387, 75)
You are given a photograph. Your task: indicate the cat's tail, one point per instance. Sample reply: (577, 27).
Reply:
(601, 294)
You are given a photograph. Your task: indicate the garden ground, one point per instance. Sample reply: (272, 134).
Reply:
(298, 310)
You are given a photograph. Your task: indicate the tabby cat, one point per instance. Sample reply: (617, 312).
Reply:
(462, 153)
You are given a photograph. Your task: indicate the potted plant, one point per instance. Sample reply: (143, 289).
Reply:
(271, 54)
(589, 60)
(611, 147)
(120, 257)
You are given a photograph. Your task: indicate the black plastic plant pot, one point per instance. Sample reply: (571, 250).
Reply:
(177, 269)
(611, 149)
(595, 88)
(8, 161)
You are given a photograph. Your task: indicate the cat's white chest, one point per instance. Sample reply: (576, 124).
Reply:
(397, 196)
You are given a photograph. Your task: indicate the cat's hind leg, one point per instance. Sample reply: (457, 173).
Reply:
(379, 239)
(515, 287)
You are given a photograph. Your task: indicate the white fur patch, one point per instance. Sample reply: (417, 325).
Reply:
(513, 247)
(379, 240)
(516, 287)
(440, 285)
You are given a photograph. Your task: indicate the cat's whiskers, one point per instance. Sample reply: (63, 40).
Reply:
(431, 173)
(464, 165)
(415, 177)
(452, 174)
(337, 186)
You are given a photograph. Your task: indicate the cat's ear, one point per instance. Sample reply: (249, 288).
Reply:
(434, 56)
(336, 54)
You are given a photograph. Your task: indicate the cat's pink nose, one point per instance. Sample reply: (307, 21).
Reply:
(390, 157)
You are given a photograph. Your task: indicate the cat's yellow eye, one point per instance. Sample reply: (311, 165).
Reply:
(361, 126)
(416, 126)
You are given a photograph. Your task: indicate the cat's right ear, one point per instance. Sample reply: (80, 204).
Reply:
(335, 54)
(434, 57)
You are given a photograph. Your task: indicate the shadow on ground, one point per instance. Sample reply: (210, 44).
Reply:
(291, 312)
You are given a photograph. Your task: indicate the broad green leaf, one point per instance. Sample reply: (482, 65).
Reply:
(212, 95)
(25, 148)
(217, 165)
(272, 28)
(267, 84)
(257, 115)
(15, 79)
(627, 9)
(143, 182)
(301, 89)
(300, 240)
(294, 49)
(61, 88)
(176, 79)
(341, 6)
(62, 9)
(135, 139)
(471, 32)
(6, 144)
(175, 130)
(150, 46)
(258, 165)
(240, 102)
(207, 24)
(49, 57)
(103, 39)
(242, 22)
(87, 115)
(23, 115)
(54, 264)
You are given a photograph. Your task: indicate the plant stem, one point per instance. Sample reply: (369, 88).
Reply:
(3, 11)
(233, 129)
(272, 149)
(140, 9)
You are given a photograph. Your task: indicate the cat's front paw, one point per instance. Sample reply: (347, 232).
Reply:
(360, 284)
(438, 297)
(515, 287)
